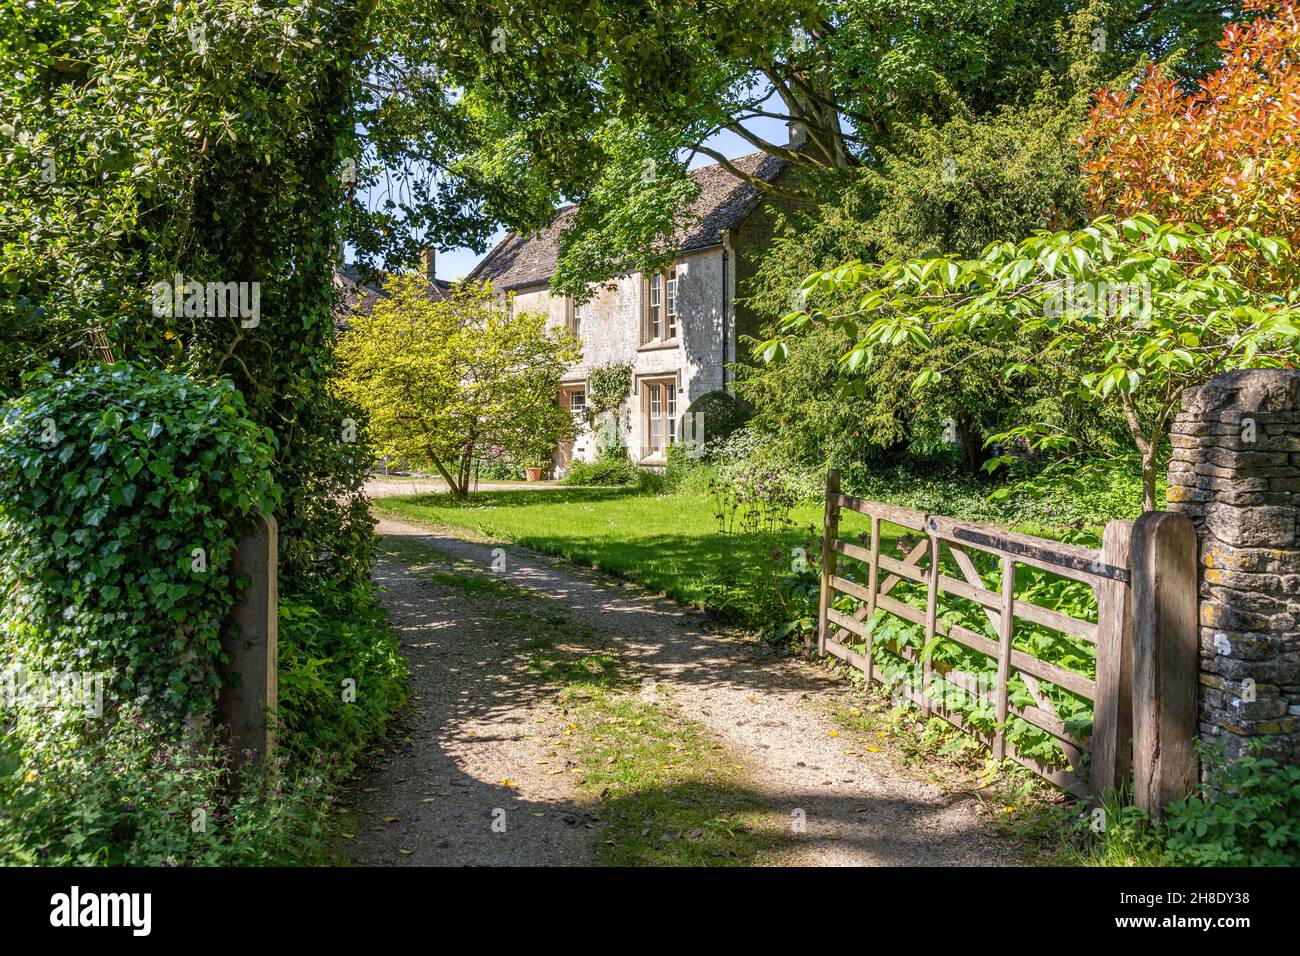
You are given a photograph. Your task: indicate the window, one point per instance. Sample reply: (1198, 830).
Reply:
(574, 398)
(670, 310)
(655, 327)
(659, 400)
(661, 301)
(573, 316)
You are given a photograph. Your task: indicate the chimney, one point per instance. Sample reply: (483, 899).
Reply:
(427, 262)
(798, 135)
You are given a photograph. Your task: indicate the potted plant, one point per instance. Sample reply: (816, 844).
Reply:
(535, 464)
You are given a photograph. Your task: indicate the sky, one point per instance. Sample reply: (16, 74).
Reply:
(456, 263)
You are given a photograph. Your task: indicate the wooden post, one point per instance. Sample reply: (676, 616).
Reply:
(1165, 658)
(1006, 631)
(931, 622)
(1112, 712)
(830, 532)
(247, 708)
(873, 588)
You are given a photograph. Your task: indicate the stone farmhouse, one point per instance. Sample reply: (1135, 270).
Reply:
(678, 329)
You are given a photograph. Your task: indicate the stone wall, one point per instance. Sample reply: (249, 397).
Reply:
(1236, 472)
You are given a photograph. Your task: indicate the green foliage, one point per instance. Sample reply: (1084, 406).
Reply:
(123, 493)
(123, 793)
(761, 580)
(496, 469)
(329, 637)
(446, 381)
(713, 417)
(144, 139)
(609, 470)
(608, 388)
(571, 109)
(1137, 310)
(952, 188)
(1246, 813)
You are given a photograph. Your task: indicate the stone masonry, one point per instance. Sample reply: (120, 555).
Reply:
(1235, 472)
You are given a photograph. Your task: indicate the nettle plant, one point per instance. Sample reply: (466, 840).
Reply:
(1131, 312)
(123, 493)
(753, 504)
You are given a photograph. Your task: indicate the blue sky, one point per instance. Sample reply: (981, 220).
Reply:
(456, 263)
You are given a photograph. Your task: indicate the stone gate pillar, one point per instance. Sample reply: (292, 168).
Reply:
(1235, 472)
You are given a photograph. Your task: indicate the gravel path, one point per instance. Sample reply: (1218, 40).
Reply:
(772, 715)
(461, 780)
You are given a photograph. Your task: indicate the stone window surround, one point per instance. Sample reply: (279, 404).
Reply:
(673, 272)
(566, 394)
(642, 398)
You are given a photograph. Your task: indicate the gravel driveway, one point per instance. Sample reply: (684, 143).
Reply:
(476, 722)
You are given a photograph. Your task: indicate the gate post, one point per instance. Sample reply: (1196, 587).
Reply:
(1112, 722)
(1164, 658)
(247, 709)
(1235, 472)
(830, 530)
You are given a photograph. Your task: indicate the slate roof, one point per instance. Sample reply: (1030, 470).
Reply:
(356, 292)
(723, 202)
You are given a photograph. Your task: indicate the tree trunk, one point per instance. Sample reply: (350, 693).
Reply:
(971, 444)
(1149, 479)
(458, 492)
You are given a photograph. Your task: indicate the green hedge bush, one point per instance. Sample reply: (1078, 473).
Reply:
(607, 470)
(123, 492)
(111, 478)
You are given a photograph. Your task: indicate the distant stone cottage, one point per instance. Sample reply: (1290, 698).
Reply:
(678, 329)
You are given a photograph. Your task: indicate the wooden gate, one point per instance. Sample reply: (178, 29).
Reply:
(855, 601)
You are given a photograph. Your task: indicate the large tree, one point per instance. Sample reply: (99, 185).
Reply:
(951, 189)
(606, 102)
(445, 381)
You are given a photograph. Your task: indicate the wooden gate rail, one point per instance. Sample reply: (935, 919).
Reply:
(1105, 570)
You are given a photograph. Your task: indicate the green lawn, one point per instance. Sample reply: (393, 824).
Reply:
(667, 542)
(671, 544)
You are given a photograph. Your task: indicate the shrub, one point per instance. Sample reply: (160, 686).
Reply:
(719, 415)
(123, 492)
(606, 470)
(1246, 813)
(497, 469)
(326, 638)
(120, 794)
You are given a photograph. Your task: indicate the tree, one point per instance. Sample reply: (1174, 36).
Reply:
(523, 105)
(145, 139)
(447, 380)
(1142, 309)
(952, 189)
(1222, 154)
